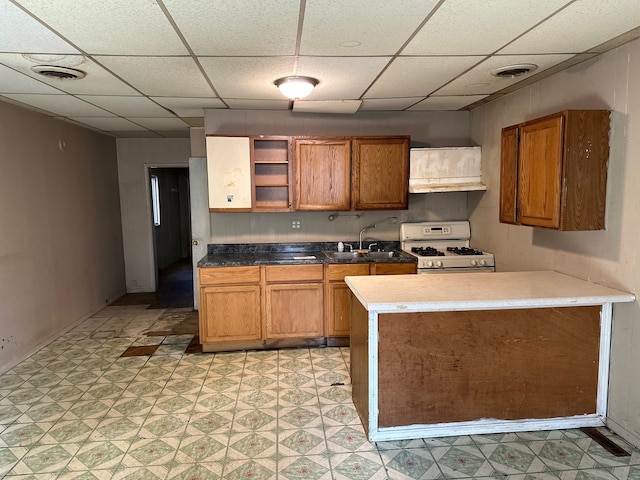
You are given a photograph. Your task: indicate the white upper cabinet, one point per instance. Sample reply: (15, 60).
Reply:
(229, 173)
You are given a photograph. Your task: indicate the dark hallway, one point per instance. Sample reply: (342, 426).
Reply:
(175, 288)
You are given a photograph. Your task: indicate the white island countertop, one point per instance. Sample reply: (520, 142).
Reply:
(479, 291)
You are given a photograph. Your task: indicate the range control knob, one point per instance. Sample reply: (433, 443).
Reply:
(429, 263)
(473, 263)
(483, 263)
(438, 263)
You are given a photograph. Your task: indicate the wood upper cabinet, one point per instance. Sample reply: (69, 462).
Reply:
(271, 174)
(559, 164)
(294, 301)
(508, 174)
(380, 168)
(323, 173)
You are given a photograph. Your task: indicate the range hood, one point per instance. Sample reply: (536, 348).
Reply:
(448, 169)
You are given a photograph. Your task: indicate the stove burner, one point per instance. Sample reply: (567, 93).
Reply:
(464, 251)
(427, 252)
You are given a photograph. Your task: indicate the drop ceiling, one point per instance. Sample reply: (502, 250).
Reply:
(153, 66)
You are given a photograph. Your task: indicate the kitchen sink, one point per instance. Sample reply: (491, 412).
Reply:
(342, 255)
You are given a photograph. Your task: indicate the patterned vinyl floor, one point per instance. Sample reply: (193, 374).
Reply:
(77, 409)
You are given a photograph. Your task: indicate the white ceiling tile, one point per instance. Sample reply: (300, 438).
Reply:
(392, 104)
(128, 106)
(111, 27)
(188, 107)
(579, 27)
(471, 27)
(245, 104)
(382, 28)
(247, 77)
(109, 124)
(64, 105)
(447, 102)
(98, 80)
(418, 76)
(341, 78)
(160, 124)
(16, 82)
(237, 27)
(327, 106)
(160, 76)
(479, 81)
(20, 32)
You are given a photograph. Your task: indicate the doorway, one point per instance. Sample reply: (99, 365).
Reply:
(172, 236)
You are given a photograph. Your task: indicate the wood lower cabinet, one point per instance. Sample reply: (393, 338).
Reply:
(380, 175)
(554, 171)
(230, 306)
(338, 296)
(274, 306)
(294, 302)
(393, 268)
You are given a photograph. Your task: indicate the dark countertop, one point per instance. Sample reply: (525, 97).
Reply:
(243, 254)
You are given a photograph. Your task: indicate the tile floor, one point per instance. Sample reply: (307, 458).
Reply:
(78, 410)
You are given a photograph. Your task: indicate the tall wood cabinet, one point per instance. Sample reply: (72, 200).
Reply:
(553, 171)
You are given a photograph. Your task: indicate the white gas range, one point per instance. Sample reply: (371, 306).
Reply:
(443, 247)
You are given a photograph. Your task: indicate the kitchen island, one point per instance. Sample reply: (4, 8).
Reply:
(437, 355)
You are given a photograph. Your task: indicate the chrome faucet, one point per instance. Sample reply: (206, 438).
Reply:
(363, 230)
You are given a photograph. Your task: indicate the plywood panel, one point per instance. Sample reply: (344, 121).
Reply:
(508, 364)
(359, 360)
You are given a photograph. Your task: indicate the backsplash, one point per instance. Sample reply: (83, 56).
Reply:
(316, 226)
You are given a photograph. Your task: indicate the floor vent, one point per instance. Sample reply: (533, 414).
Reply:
(605, 442)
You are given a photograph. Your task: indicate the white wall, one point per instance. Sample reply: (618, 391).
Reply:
(608, 257)
(434, 129)
(135, 156)
(61, 256)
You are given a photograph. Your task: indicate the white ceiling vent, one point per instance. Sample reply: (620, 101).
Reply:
(60, 73)
(512, 71)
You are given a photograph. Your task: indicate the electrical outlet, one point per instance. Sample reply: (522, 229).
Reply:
(296, 224)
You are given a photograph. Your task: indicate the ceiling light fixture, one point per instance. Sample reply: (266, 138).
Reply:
(296, 87)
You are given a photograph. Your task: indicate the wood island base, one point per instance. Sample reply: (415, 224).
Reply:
(454, 369)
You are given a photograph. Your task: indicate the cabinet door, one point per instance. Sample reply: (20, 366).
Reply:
(380, 173)
(294, 310)
(338, 297)
(323, 174)
(393, 268)
(229, 173)
(508, 174)
(338, 321)
(230, 313)
(540, 172)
